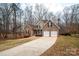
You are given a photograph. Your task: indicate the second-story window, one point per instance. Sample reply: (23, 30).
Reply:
(50, 24)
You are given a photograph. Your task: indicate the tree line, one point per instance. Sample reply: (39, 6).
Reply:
(13, 19)
(71, 19)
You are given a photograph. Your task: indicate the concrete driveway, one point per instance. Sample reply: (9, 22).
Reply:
(32, 48)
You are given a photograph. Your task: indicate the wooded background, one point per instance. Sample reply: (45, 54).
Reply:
(13, 19)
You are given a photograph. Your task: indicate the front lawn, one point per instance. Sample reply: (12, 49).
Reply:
(64, 46)
(9, 43)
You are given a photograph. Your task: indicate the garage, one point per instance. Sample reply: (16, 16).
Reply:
(50, 29)
(50, 33)
(54, 33)
(46, 33)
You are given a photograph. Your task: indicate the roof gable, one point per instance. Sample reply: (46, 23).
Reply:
(52, 24)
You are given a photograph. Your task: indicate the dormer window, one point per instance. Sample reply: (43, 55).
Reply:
(50, 24)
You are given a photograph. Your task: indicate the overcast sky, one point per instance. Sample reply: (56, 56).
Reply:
(52, 5)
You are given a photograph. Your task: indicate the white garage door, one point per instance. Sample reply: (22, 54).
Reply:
(47, 33)
(54, 33)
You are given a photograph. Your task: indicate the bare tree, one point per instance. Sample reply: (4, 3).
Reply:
(17, 13)
(8, 18)
(28, 14)
(75, 17)
(5, 14)
(71, 18)
(40, 12)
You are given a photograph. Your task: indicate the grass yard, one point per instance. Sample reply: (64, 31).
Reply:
(64, 46)
(6, 44)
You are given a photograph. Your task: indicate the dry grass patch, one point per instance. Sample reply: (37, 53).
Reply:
(64, 46)
(6, 44)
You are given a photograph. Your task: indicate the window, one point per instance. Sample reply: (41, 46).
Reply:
(50, 24)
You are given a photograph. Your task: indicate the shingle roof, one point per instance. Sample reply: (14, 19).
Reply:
(46, 21)
(43, 23)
